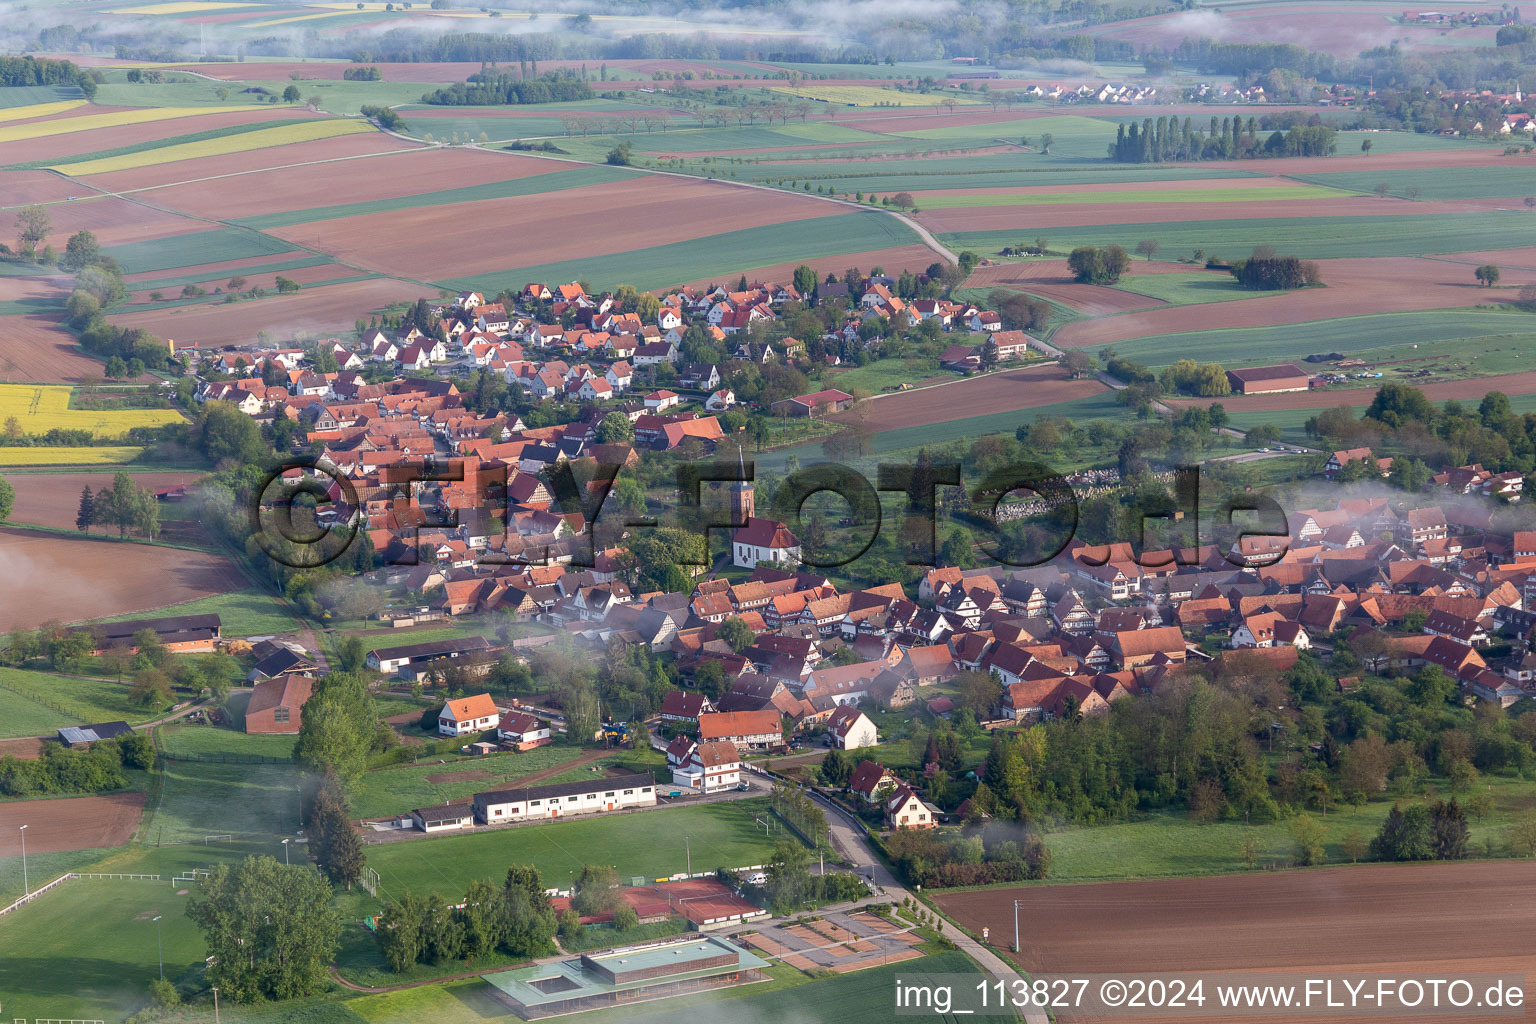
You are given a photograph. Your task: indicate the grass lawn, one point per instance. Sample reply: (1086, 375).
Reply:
(209, 740)
(1399, 232)
(201, 798)
(42, 868)
(1252, 346)
(1172, 844)
(396, 790)
(405, 638)
(875, 376)
(88, 949)
(721, 255)
(646, 844)
(1188, 289)
(250, 612)
(42, 702)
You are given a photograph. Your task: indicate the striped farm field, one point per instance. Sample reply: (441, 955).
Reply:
(38, 110)
(281, 135)
(1139, 196)
(115, 119)
(40, 408)
(175, 7)
(41, 456)
(869, 96)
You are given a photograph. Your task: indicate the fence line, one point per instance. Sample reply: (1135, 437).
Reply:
(35, 893)
(116, 875)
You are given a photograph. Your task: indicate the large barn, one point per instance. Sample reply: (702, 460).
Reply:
(277, 705)
(1266, 380)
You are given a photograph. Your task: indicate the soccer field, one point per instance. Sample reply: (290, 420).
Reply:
(87, 950)
(647, 843)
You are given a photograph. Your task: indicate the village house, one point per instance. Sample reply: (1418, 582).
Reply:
(468, 715)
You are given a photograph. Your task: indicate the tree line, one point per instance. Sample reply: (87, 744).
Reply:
(124, 505)
(516, 919)
(1161, 139)
(32, 71)
(488, 90)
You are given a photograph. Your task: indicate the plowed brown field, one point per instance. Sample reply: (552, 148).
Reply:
(1354, 286)
(115, 221)
(1027, 388)
(35, 349)
(1042, 215)
(51, 499)
(1049, 279)
(78, 823)
(581, 222)
(320, 310)
(72, 579)
(1379, 920)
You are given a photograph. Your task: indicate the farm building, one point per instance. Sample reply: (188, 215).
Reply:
(1266, 380)
(85, 735)
(394, 659)
(185, 634)
(623, 975)
(562, 799)
(279, 662)
(277, 704)
(820, 403)
(443, 817)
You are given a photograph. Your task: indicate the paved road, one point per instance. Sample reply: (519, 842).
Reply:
(849, 840)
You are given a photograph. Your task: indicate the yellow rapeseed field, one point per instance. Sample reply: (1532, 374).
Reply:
(870, 95)
(38, 110)
(86, 122)
(279, 135)
(38, 408)
(67, 456)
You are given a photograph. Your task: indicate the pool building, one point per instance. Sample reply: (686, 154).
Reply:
(631, 974)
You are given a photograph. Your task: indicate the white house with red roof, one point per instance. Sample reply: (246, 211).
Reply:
(764, 540)
(709, 767)
(522, 731)
(849, 728)
(468, 715)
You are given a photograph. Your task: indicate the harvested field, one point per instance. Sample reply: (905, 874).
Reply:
(35, 349)
(408, 172)
(115, 221)
(72, 579)
(235, 164)
(331, 308)
(977, 396)
(915, 258)
(1386, 919)
(23, 187)
(1051, 280)
(52, 499)
(1516, 259)
(108, 135)
(1354, 286)
(77, 823)
(1029, 217)
(587, 222)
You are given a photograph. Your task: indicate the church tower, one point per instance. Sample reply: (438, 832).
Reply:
(742, 504)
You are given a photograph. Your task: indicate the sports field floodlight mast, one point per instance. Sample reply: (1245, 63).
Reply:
(285, 853)
(26, 890)
(160, 943)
